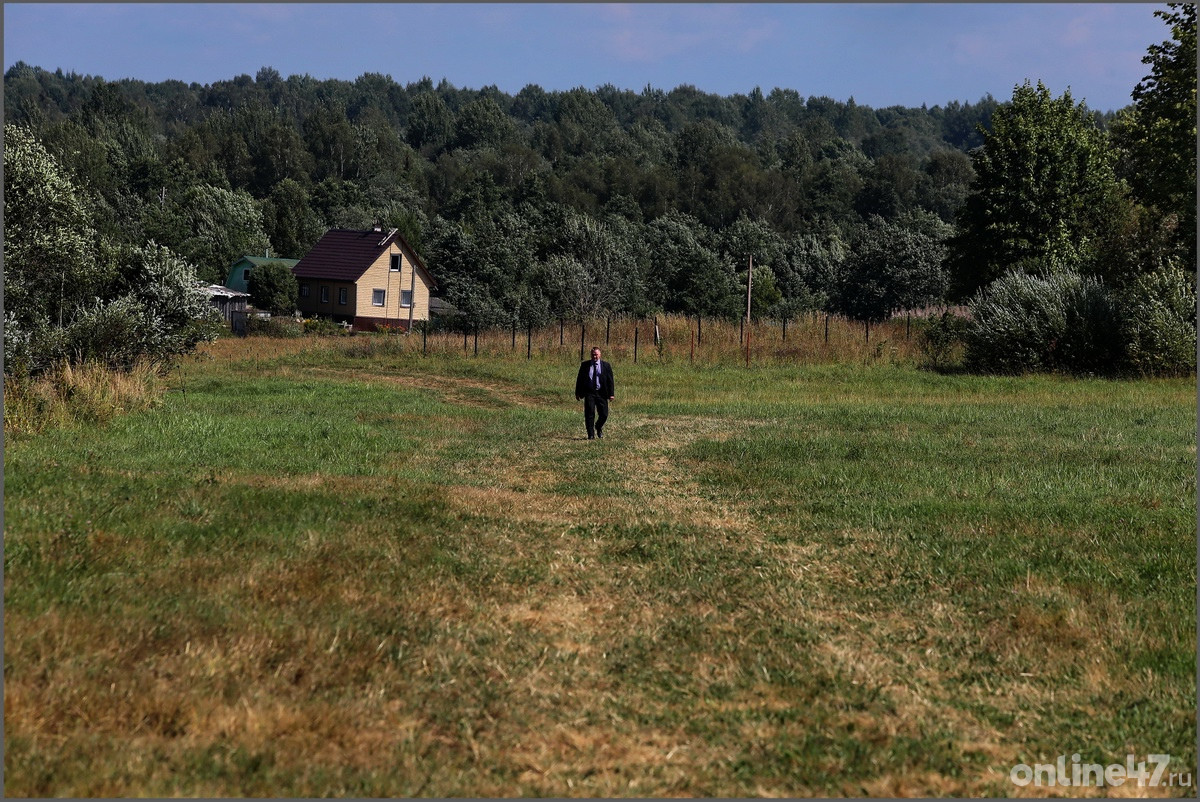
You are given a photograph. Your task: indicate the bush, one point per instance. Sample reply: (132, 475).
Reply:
(1158, 324)
(149, 308)
(114, 334)
(31, 347)
(940, 338)
(274, 327)
(323, 326)
(1059, 321)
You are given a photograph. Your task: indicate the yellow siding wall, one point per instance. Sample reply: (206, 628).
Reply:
(379, 276)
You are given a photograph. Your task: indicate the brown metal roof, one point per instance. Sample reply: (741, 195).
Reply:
(345, 254)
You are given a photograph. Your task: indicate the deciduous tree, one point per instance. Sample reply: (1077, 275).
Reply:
(1045, 188)
(273, 288)
(893, 266)
(1157, 135)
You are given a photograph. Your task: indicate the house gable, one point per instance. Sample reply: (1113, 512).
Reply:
(385, 279)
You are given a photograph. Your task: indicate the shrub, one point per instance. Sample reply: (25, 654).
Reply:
(940, 338)
(114, 333)
(1158, 323)
(1056, 321)
(274, 327)
(323, 326)
(149, 307)
(32, 346)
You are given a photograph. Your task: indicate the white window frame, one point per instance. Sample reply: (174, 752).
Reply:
(405, 299)
(397, 263)
(303, 290)
(324, 295)
(343, 296)
(378, 297)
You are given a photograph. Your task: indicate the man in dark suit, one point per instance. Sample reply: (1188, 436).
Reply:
(595, 387)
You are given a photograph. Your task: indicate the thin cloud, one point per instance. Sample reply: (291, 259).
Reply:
(643, 34)
(1080, 31)
(969, 48)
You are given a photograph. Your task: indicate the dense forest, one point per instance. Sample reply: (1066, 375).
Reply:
(487, 184)
(573, 203)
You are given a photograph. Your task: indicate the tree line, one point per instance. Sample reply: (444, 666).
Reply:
(575, 203)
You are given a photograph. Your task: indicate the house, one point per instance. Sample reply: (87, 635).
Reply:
(239, 272)
(231, 304)
(366, 278)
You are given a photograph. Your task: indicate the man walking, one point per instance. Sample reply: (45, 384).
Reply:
(595, 387)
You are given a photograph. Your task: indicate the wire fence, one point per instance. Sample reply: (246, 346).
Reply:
(811, 339)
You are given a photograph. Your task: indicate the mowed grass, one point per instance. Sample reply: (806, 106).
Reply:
(344, 569)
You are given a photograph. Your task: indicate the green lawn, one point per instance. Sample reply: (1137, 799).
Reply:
(346, 569)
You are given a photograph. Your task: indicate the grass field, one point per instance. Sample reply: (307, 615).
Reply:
(338, 567)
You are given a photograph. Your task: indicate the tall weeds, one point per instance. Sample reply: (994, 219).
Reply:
(72, 394)
(810, 339)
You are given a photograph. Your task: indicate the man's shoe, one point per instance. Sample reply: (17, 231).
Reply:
(600, 435)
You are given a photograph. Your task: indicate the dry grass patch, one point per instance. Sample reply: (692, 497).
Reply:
(454, 390)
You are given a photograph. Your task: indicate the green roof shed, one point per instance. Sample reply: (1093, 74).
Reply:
(240, 271)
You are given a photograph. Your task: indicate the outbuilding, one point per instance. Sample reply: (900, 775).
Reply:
(231, 304)
(239, 271)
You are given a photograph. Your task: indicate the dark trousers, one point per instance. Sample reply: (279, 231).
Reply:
(595, 413)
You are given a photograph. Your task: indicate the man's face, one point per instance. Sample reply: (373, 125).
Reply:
(595, 354)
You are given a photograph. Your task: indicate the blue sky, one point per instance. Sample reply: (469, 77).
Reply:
(881, 54)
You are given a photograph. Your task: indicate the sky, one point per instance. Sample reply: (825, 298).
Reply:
(884, 54)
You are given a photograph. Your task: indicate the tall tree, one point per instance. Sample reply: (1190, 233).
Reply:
(50, 266)
(430, 123)
(220, 225)
(1157, 135)
(948, 175)
(686, 275)
(291, 223)
(895, 265)
(593, 257)
(482, 123)
(330, 139)
(273, 287)
(1045, 188)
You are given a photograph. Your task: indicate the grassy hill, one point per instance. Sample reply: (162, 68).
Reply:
(340, 567)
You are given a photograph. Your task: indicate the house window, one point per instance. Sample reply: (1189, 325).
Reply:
(342, 296)
(303, 290)
(406, 298)
(378, 297)
(324, 295)
(395, 263)
(246, 274)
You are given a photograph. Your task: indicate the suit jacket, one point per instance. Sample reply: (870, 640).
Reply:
(584, 385)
